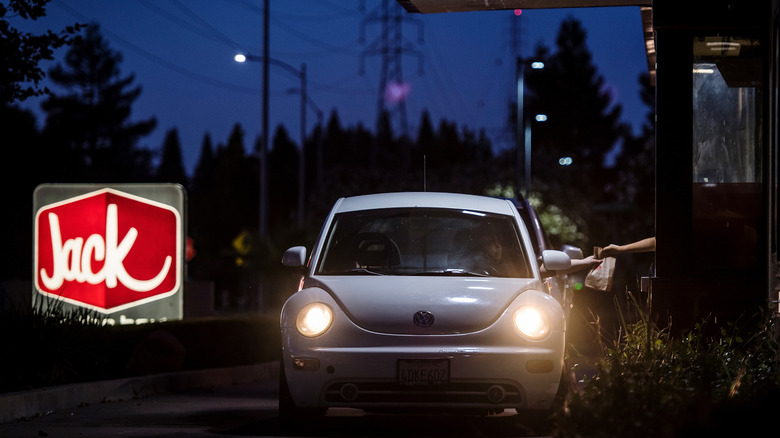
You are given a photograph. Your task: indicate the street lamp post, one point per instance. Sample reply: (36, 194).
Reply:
(302, 157)
(523, 127)
(301, 74)
(520, 125)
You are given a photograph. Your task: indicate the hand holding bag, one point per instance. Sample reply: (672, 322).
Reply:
(600, 277)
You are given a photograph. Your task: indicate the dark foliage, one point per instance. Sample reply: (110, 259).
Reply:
(55, 348)
(721, 378)
(89, 127)
(21, 52)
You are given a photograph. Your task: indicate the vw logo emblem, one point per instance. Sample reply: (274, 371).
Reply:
(423, 318)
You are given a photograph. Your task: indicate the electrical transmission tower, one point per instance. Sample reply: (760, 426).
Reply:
(391, 46)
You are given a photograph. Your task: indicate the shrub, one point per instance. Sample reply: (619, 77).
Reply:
(649, 383)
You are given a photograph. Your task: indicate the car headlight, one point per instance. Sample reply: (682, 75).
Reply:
(314, 319)
(532, 322)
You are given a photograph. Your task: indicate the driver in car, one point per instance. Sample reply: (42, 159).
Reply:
(488, 252)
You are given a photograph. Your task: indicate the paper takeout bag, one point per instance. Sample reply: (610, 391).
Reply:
(600, 277)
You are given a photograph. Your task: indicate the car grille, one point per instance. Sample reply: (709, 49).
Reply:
(451, 394)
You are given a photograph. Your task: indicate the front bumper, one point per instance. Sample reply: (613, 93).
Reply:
(484, 378)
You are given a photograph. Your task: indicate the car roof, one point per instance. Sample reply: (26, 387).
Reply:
(425, 199)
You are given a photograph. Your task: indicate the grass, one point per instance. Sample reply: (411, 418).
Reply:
(45, 346)
(715, 379)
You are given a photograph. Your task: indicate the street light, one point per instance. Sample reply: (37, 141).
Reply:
(523, 126)
(301, 74)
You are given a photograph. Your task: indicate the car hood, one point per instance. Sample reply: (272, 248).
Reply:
(458, 305)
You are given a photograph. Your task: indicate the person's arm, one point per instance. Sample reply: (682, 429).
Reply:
(589, 262)
(644, 245)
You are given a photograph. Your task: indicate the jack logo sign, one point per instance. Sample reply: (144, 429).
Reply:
(108, 250)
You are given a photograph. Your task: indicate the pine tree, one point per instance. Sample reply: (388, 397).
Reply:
(92, 121)
(282, 180)
(204, 170)
(171, 168)
(233, 184)
(582, 124)
(202, 215)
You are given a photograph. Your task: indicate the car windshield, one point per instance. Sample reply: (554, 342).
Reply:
(423, 241)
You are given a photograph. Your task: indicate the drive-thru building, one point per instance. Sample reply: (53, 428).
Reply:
(714, 64)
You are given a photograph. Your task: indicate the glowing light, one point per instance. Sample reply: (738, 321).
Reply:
(541, 117)
(532, 322)
(314, 319)
(396, 92)
(240, 58)
(537, 65)
(518, 12)
(565, 161)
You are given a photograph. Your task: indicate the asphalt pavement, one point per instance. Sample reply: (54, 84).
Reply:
(226, 402)
(24, 404)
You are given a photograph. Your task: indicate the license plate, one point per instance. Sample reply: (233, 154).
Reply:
(423, 372)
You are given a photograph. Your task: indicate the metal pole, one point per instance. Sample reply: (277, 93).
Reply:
(520, 126)
(302, 158)
(264, 143)
(319, 146)
(527, 137)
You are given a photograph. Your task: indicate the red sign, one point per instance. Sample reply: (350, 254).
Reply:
(108, 250)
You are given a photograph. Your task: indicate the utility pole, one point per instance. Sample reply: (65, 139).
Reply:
(264, 143)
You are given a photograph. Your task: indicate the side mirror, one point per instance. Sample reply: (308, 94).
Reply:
(574, 253)
(295, 257)
(555, 260)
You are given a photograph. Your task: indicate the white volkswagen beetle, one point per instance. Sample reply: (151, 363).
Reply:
(419, 301)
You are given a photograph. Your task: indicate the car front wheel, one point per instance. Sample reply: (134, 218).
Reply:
(289, 413)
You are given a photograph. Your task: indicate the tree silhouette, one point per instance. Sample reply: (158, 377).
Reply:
(171, 168)
(21, 52)
(582, 123)
(223, 208)
(20, 172)
(282, 180)
(91, 121)
(635, 175)
(204, 170)
(202, 216)
(233, 184)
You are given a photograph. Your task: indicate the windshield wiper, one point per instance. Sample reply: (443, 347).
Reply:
(453, 272)
(355, 271)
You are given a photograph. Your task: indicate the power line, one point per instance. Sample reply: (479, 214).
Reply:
(314, 41)
(390, 47)
(158, 60)
(206, 25)
(197, 30)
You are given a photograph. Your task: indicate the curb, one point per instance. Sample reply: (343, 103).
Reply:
(18, 405)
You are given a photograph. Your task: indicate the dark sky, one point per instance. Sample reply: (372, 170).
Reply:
(181, 53)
